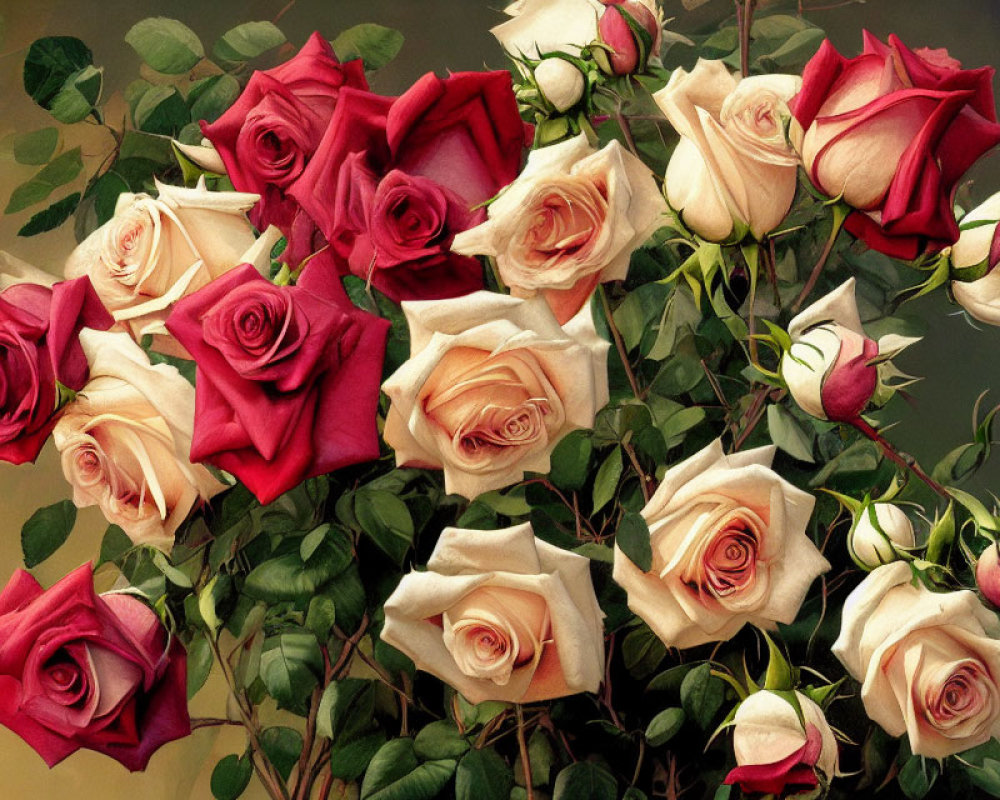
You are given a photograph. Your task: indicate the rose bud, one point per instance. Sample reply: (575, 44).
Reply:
(560, 82)
(832, 368)
(875, 542)
(975, 284)
(778, 754)
(988, 574)
(630, 28)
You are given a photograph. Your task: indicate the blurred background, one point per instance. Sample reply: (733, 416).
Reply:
(959, 361)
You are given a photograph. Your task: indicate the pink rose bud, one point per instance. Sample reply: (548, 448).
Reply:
(631, 48)
(988, 574)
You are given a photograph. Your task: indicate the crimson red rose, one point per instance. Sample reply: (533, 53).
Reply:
(288, 376)
(38, 347)
(79, 669)
(893, 131)
(268, 136)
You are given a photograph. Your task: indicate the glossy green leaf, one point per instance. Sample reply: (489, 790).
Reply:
(440, 739)
(483, 775)
(282, 746)
(211, 96)
(76, 100)
(167, 45)
(585, 780)
(56, 173)
(606, 480)
(570, 461)
(376, 45)
(664, 726)
(34, 148)
(633, 539)
(289, 666)
(231, 777)
(349, 760)
(702, 695)
(161, 110)
(248, 41)
(395, 774)
(386, 519)
(46, 530)
(50, 62)
(788, 434)
(199, 664)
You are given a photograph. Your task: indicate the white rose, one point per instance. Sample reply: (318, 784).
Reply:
(492, 384)
(156, 250)
(873, 546)
(501, 615)
(560, 82)
(537, 27)
(125, 439)
(733, 167)
(730, 547)
(928, 662)
(571, 219)
(978, 250)
(775, 751)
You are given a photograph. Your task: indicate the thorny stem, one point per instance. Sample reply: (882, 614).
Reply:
(619, 343)
(906, 463)
(522, 745)
(839, 216)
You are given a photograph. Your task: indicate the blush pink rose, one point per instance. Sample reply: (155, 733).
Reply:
(501, 615)
(81, 670)
(892, 132)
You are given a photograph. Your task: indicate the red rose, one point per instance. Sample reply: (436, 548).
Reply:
(79, 669)
(268, 136)
(893, 131)
(288, 377)
(38, 347)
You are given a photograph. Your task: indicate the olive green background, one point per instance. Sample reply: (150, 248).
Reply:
(957, 360)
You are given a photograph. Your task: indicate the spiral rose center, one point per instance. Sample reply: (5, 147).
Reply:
(563, 223)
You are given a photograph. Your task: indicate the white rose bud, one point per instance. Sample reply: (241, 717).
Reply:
(560, 82)
(973, 257)
(874, 546)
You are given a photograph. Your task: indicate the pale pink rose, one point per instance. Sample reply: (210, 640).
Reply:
(570, 220)
(733, 169)
(776, 752)
(156, 250)
(832, 368)
(124, 442)
(491, 386)
(974, 258)
(730, 547)
(500, 615)
(928, 662)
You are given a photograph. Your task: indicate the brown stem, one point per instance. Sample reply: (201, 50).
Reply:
(744, 19)
(644, 482)
(770, 259)
(619, 343)
(522, 745)
(209, 722)
(839, 215)
(906, 463)
(754, 415)
(303, 784)
(623, 123)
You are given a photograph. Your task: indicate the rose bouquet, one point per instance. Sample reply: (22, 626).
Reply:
(522, 434)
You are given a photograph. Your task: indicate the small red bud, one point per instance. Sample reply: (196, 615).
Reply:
(615, 31)
(988, 574)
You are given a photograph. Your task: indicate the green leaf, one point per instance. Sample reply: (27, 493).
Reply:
(395, 774)
(702, 695)
(606, 480)
(170, 572)
(386, 519)
(678, 424)
(374, 44)
(346, 708)
(78, 96)
(287, 578)
(917, 777)
(570, 460)
(779, 672)
(483, 775)
(288, 667)
(632, 538)
(542, 757)
(52, 217)
(796, 50)
(585, 780)
(349, 760)
(942, 535)
(663, 726)
(199, 664)
(105, 192)
(231, 777)
(56, 173)
(50, 62)
(161, 110)
(114, 546)
(211, 96)
(247, 41)
(36, 147)
(642, 651)
(46, 530)
(788, 435)
(440, 739)
(321, 615)
(167, 45)
(312, 540)
(282, 746)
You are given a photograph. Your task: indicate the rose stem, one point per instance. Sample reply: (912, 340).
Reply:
(643, 480)
(302, 782)
(754, 415)
(619, 343)
(522, 745)
(839, 215)
(626, 129)
(744, 19)
(770, 259)
(897, 458)
(210, 722)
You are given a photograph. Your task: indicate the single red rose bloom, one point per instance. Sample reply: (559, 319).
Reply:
(288, 377)
(78, 669)
(39, 327)
(892, 132)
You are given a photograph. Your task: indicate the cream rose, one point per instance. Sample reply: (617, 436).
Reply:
(733, 168)
(560, 82)
(501, 615)
(537, 27)
(491, 385)
(878, 541)
(974, 258)
(14, 270)
(729, 548)
(125, 439)
(928, 662)
(571, 219)
(156, 250)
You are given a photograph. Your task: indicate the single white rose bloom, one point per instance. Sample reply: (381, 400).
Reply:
(873, 546)
(569, 221)
(501, 615)
(832, 368)
(491, 386)
(538, 27)
(775, 750)
(733, 168)
(928, 662)
(156, 250)
(978, 251)
(730, 547)
(560, 82)
(125, 439)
